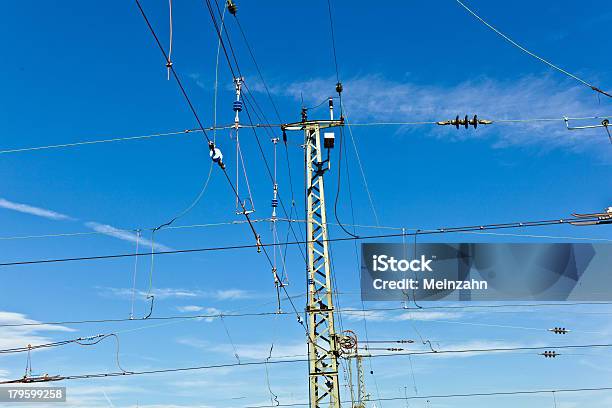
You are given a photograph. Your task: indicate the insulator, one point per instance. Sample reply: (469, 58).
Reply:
(284, 136)
(237, 106)
(232, 7)
(339, 87)
(274, 202)
(216, 155)
(559, 330)
(465, 122)
(550, 354)
(304, 114)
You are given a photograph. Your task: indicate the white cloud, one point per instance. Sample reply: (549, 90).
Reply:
(251, 351)
(159, 293)
(261, 351)
(189, 308)
(21, 336)
(423, 315)
(125, 235)
(166, 293)
(382, 316)
(203, 310)
(37, 211)
(371, 315)
(375, 98)
(233, 294)
(105, 229)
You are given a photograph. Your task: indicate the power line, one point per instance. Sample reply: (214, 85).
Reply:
(246, 41)
(289, 220)
(90, 142)
(269, 125)
(252, 103)
(303, 360)
(263, 246)
(201, 126)
(525, 50)
(259, 244)
(333, 40)
(465, 395)
(175, 227)
(281, 313)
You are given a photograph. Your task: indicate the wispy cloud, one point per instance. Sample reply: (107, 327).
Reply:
(4, 375)
(189, 308)
(233, 294)
(422, 315)
(370, 315)
(21, 336)
(178, 293)
(125, 235)
(383, 316)
(375, 98)
(159, 293)
(201, 310)
(105, 229)
(31, 210)
(250, 351)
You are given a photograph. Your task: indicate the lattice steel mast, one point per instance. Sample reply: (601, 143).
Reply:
(323, 347)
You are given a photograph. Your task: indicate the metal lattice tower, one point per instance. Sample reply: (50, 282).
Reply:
(323, 343)
(322, 347)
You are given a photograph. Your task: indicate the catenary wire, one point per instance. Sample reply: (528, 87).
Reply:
(463, 229)
(268, 125)
(464, 395)
(520, 47)
(302, 360)
(238, 222)
(201, 126)
(346, 310)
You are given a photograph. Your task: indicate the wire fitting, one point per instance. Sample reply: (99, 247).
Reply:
(232, 7)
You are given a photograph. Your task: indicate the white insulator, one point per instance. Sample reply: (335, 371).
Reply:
(216, 155)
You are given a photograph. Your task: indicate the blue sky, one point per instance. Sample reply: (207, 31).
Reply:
(85, 71)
